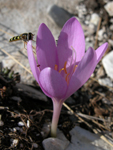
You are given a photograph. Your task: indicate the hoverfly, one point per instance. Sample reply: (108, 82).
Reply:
(25, 37)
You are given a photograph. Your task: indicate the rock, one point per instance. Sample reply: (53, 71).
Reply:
(84, 140)
(15, 98)
(108, 64)
(109, 8)
(59, 15)
(35, 145)
(94, 19)
(28, 123)
(111, 27)
(106, 81)
(110, 42)
(53, 144)
(20, 124)
(1, 123)
(14, 142)
(36, 94)
(100, 34)
(46, 129)
(59, 143)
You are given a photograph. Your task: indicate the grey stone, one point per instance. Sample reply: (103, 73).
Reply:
(31, 92)
(15, 98)
(1, 123)
(108, 64)
(59, 15)
(106, 81)
(46, 129)
(59, 143)
(109, 8)
(35, 145)
(84, 140)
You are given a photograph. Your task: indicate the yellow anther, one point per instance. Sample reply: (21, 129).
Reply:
(61, 70)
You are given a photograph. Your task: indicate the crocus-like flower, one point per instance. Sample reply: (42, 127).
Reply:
(62, 68)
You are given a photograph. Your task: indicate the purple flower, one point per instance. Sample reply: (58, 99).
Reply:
(62, 69)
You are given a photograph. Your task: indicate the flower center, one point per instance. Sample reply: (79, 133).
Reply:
(71, 69)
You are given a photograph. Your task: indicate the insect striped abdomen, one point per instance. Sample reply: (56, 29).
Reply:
(15, 38)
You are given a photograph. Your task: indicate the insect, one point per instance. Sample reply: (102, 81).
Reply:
(25, 37)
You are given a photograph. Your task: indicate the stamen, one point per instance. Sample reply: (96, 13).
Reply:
(67, 78)
(56, 67)
(65, 67)
(74, 68)
(61, 70)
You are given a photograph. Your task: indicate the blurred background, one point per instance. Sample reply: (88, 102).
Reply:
(17, 17)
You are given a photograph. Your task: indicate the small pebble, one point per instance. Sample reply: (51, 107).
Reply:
(14, 129)
(111, 27)
(20, 124)
(94, 19)
(46, 129)
(108, 64)
(1, 123)
(35, 145)
(28, 123)
(18, 99)
(14, 142)
(109, 8)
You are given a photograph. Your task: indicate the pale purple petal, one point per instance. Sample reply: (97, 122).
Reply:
(100, 51)
(32, 61)
(52, 83)
(83, 71)
(46, 48)
(71, 36)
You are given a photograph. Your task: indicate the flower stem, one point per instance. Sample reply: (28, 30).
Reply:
(57, 105)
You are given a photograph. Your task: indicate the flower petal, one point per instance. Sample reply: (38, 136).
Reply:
(71, 36)
(32, 61)
(46, 48)
(100, 51)
(52, 83)
(83, 71)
